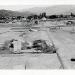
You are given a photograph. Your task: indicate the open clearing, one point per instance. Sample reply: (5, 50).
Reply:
(27, 60)
(62, 38)
(30, 61)
(65, 43)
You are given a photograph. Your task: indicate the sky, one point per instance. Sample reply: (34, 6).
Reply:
(26, 4)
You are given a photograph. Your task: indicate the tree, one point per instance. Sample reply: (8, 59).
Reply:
(40, 16)
(35, 16)
(29, 17)
(43, 14)
(72, 15)
(19, 17)
(53, 16)
(61, 16)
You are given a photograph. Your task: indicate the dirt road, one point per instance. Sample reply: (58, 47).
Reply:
(65, 42)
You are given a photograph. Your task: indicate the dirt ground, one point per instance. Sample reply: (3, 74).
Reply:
(26, 60)
(63, 39)
(65, 42)
(29, 61)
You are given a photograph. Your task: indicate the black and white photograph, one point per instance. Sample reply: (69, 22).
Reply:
(38, 35)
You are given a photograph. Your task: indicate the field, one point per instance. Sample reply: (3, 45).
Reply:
(65, 43)
(63, 39)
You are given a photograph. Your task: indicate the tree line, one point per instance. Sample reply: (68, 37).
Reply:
(41, 15)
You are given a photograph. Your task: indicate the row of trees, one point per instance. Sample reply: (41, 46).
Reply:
(12, 18)
(41, 15)
(61, 16)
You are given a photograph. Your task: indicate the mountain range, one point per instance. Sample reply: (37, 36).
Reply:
(10, 13)
(50, 10)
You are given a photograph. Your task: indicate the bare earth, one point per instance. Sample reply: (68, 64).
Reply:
(27, 60)
(65, 43)
(62, 39)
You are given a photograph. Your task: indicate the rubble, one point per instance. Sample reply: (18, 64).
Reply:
(43, 47)
(37, 45)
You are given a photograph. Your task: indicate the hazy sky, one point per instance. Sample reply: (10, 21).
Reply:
(18, 7)
(25, 4)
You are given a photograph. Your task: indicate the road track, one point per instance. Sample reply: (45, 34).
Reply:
(58, 55)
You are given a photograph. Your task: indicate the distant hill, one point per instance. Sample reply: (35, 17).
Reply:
(50, 10)
(13, 13)
(58, 9)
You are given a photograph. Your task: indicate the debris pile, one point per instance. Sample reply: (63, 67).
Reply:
(43, 47)
(26, 45)
(37, 45)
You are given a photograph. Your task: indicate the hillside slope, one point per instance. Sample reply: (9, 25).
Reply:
(58, 9)
(13, 13)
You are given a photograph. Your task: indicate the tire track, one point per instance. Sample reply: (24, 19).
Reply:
(58, 55)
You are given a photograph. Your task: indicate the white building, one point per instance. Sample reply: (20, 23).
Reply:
(44, 19)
